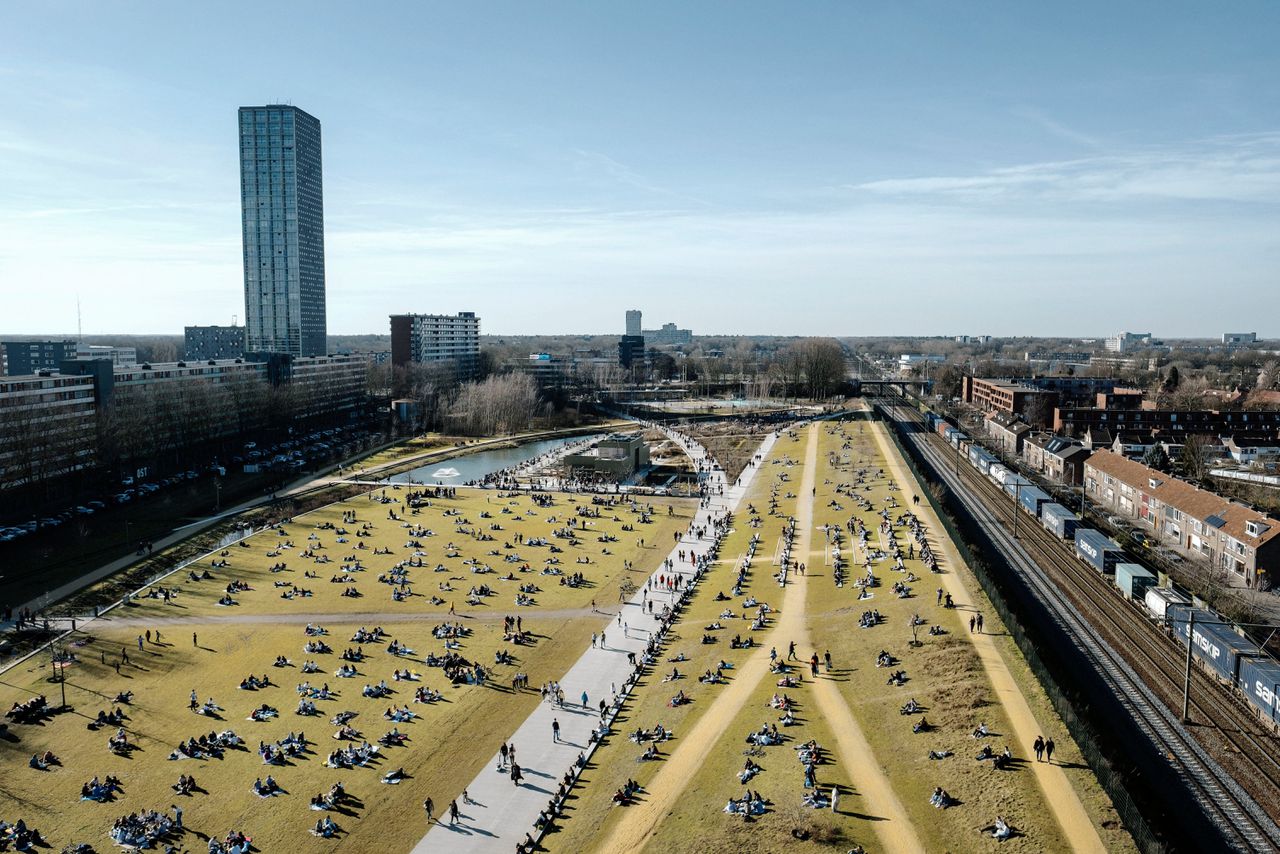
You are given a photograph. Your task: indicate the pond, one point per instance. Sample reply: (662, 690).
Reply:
(454, 471)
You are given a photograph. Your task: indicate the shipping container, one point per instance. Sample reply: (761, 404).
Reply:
(1216, 646)
(1014, 484)
(1158, 600)
(1059, 521)
(985, 463)
(977, 454)
(1260, 682)
(998, 472)
(1134, 579)
(1101, 553)
(957, 437)
(944, 429)
(1032, 498)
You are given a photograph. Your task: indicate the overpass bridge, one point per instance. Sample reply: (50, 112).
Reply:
(865, 387)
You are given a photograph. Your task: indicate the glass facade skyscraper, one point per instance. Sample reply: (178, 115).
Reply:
(282, 220)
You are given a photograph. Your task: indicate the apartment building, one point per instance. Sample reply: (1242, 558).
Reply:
(436, 338)
(47, 427)
(1193, 521)
(1076, 421)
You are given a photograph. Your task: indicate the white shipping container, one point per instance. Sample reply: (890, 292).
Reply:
(1158, 600)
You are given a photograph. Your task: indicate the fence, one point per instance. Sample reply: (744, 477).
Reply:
(1113, 782)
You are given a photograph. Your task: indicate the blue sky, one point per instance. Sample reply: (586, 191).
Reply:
(793, 168)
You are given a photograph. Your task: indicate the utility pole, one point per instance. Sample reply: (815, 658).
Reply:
(1186, 684)
(1017, 495)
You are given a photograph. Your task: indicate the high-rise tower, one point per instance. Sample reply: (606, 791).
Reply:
(282, 220)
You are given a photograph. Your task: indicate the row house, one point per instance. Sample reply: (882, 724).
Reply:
(1195, 522)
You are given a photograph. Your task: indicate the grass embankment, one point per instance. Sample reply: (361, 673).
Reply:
(449, 743)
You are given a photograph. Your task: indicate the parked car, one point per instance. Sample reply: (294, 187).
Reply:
(1141, 539)
(126, 481)
(96, 504)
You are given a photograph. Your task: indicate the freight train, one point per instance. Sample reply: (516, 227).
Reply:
(1220, 647)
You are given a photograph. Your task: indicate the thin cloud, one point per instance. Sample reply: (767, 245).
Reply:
(1232, 169)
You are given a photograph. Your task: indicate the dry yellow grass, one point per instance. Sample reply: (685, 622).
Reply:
(450, 742)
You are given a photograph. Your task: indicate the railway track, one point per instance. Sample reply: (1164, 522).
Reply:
(1070, 590)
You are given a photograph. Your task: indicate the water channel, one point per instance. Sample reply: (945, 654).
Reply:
(455, 471)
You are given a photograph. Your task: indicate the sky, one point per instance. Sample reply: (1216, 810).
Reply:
(813, 168)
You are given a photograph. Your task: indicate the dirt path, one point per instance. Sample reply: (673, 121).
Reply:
(639, 823)
(893, 829)
(1060, 797)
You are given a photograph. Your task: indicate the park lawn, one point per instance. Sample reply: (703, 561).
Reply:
(590, 811)
(450, 744)
(604, 573)
(1097, 803)
(451, 741)
(945, 676)
(698, 822)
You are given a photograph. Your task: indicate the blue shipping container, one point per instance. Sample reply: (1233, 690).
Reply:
(1014, 484)
(1260, 682)
(1032, 498)
(1215, 645)
(1059, 521)
(1101, 553)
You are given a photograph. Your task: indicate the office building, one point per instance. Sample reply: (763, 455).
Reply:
(28, 357)
(1126, 341)
(282, 219)
(437, 339)
(633, 322)
(213, 342)
(118, 356)
(668, 336)
(1239, 339)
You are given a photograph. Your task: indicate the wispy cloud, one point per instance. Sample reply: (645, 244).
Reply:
(624, 174)
(1236, 169)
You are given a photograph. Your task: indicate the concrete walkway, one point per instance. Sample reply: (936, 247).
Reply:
(500, 813)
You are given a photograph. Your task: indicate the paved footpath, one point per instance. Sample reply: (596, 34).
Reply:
(500, 813)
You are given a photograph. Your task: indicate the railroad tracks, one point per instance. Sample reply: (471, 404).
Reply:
(1070, 591)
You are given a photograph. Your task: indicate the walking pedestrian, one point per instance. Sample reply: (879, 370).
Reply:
(1048, 750)
(979, 624)
(466, 797)
(453, 812)
(148, 635)
(827, 658)
(140, 640)
(1038, 747)
(430, 806)
(791, 651)
(973, 621)
(555, 731)
(194, 642)
(584, 699)
(177, 815)
(516, 777)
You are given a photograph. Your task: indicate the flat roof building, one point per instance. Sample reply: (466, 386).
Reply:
(437, 338)
(29, 357)
(213, 342)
